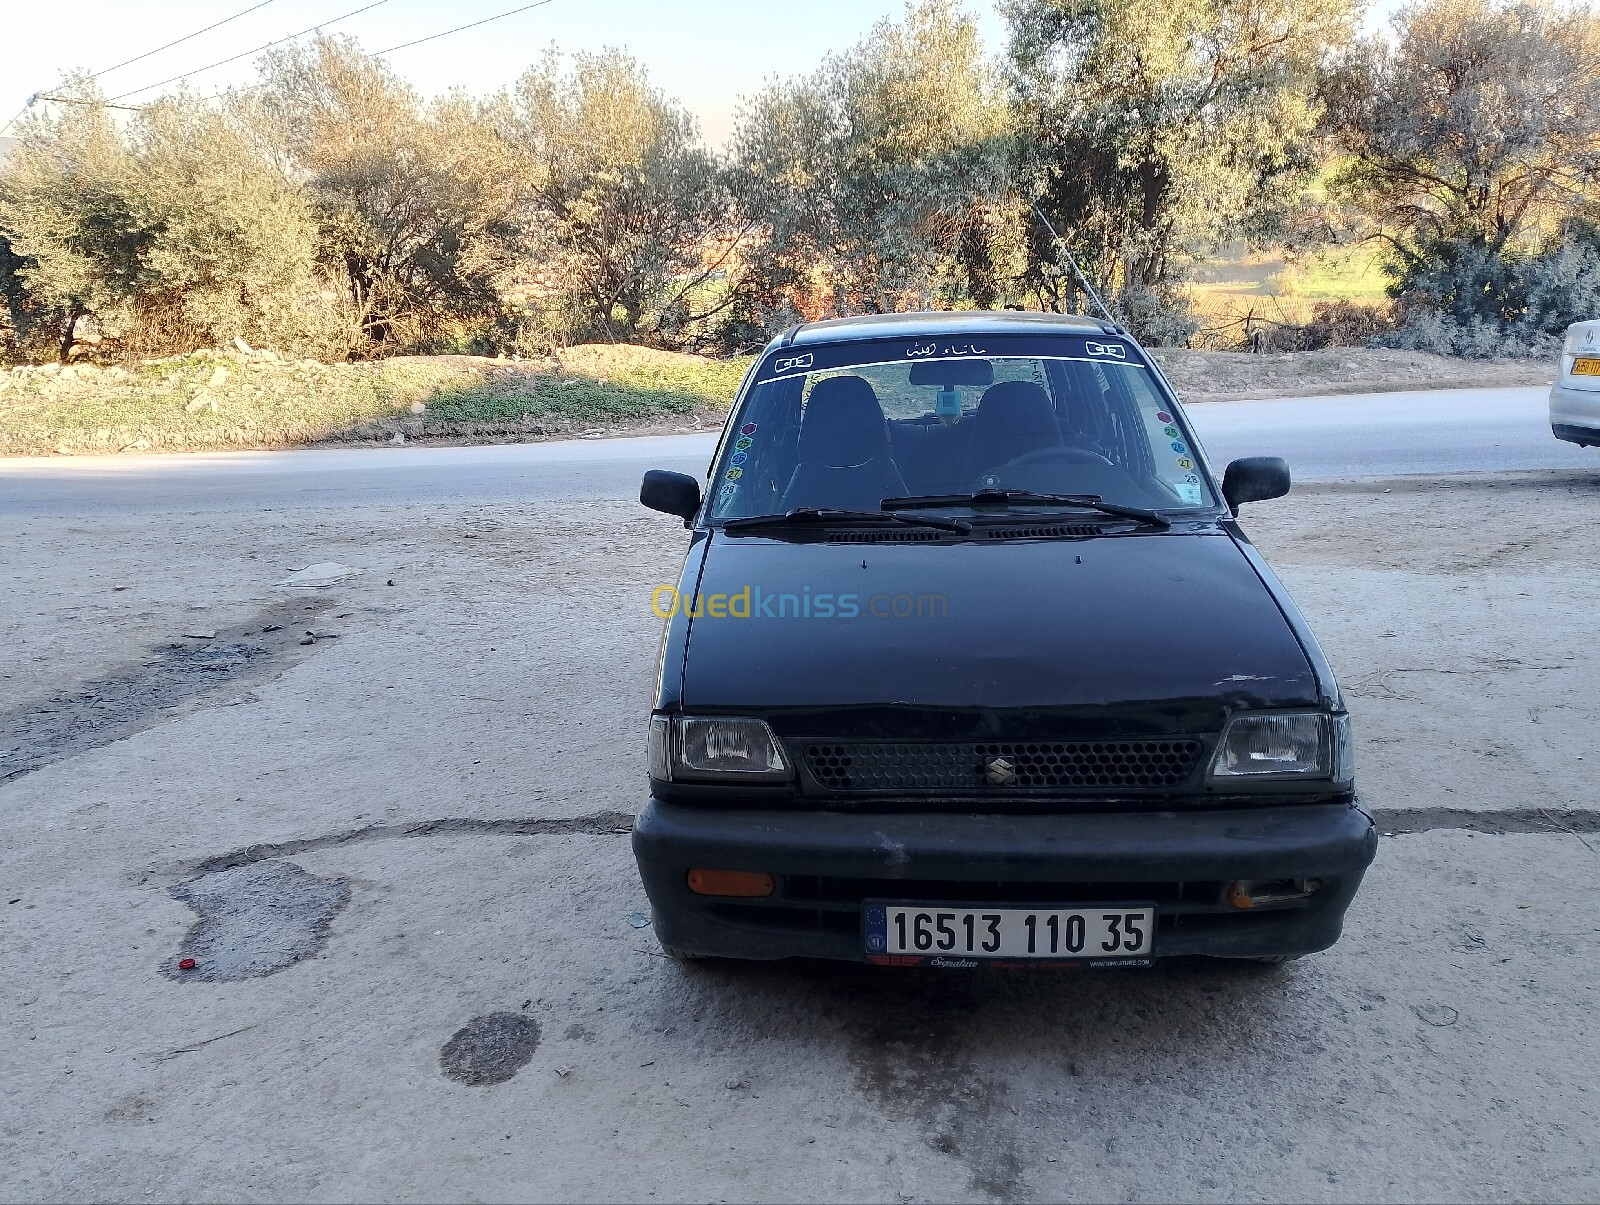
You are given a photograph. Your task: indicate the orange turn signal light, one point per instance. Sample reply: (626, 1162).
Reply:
(748, 883)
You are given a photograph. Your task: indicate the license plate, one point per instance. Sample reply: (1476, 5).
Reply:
(962, 935)
(1586, 366)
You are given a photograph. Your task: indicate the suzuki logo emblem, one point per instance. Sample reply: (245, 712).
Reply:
(1001, 771)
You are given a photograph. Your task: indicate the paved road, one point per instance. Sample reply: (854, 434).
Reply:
(1356, 435)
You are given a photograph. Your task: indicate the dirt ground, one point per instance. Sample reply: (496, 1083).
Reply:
(401, 853)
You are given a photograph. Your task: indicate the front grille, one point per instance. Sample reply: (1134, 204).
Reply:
(941, 766)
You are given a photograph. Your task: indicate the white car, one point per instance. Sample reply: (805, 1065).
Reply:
(1575, 397)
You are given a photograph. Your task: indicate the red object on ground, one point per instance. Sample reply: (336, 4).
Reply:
(186, 964)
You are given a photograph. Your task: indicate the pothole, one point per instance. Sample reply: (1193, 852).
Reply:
(255, 920)
(135, 697)
(490, 1049)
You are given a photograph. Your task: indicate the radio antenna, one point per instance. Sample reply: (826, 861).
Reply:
(1062, 249)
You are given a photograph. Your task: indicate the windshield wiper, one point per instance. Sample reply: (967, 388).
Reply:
(998, 497)
(819, 515)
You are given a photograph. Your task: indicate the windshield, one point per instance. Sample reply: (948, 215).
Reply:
(844, 426)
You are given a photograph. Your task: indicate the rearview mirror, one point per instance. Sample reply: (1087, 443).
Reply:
(1255, 479)
(950, 373)
(671, 493)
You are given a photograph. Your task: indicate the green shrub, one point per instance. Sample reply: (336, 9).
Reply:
(1463, 299)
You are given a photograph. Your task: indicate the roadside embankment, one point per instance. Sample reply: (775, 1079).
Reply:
(242, 398)
(1232, 376)
(236, 398)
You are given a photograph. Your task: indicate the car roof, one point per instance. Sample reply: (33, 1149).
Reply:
(941, 322)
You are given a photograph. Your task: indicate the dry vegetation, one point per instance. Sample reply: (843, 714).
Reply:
(1220, 376)
(216, 399)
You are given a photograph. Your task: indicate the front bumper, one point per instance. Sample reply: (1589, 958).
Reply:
(827, 863)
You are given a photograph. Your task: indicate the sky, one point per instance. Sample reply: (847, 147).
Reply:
(706, 53)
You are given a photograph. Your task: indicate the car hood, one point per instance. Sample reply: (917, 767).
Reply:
(1124, 634)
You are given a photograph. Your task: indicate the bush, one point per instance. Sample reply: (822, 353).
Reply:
(1345, 324)
(1157, 317)
(1463, 299)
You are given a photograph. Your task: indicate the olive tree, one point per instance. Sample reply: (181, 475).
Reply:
(619, 197)
(880, 178)
(414, 200)
(1471, 140)
(1476, 121)
(1154, 129)
(179, 229)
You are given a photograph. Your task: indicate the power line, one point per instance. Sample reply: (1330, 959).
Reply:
(222, 62)
(93, 104)
(258, 49)
(471, 25)
(180, 41)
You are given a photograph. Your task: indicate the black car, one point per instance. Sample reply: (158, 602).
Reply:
(970, 664)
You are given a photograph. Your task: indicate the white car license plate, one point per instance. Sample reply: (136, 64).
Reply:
(959, 935)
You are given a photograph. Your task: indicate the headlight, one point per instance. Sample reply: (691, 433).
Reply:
(1309, 745)
(686, 748)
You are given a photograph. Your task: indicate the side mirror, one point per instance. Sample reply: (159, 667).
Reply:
(1255, 479)
(671, 493)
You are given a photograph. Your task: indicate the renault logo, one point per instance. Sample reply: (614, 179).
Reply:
(1000, 771)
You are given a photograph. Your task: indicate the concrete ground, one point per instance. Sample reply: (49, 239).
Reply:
(399, 854)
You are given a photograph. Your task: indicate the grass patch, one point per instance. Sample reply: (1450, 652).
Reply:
(588, 389)
(215, 400)
(1241, 282)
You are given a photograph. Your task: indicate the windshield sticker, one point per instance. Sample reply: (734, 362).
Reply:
(734, 474)
(738, 458)
(1115, 350)
(1189, 491)
(918, 350)
(790, 363)
(1179, 447)
(1163, 417)
(1170, 431)
(1185, 463)
(742, 444)
(748, 429)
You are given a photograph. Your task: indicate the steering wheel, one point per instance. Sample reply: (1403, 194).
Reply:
(1060, 455)
(1057, 456)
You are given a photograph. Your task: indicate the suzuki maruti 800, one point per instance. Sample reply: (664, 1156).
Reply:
(970, 664)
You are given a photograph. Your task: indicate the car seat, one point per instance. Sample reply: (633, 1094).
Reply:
(843, 453)
(1013, 418)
